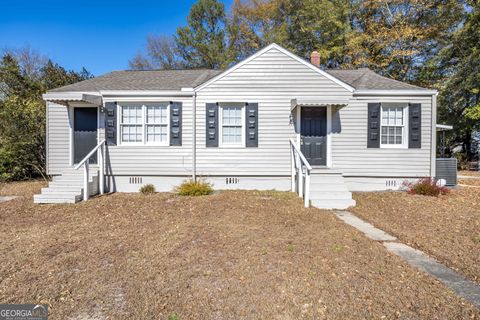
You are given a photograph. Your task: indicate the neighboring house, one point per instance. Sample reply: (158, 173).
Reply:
(242, 129)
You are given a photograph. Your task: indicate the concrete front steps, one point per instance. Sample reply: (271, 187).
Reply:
(328, 190)
(68, 187)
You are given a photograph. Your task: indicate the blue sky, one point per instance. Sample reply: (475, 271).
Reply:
(98, 35)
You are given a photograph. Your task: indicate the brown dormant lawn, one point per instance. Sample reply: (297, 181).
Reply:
(231, 255)
(469, 173)
(447, 227)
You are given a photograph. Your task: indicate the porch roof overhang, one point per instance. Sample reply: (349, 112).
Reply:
(316, 103)
(444, 127)
(65, 97)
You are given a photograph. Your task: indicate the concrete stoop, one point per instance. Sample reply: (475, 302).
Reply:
(68, 187)
(329, 191)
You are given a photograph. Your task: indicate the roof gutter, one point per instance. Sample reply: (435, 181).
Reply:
(147, 93)
(424, 92)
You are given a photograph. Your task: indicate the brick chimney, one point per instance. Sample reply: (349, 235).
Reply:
(315, 59)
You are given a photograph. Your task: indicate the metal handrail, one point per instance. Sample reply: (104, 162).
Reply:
(302, 169)
(84, 162)
(89, 155)
(304, 160)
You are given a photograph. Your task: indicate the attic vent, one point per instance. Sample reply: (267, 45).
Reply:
(391, 183)
(230, 180)
(135, 180)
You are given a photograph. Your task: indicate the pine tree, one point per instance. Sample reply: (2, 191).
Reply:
(203, 43)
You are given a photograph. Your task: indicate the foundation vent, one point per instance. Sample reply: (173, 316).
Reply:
(231, 180)
(135, 180)
(391, 183)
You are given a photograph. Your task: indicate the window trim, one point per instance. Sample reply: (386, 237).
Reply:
(404, 144)
(221, 144)
(144, 142)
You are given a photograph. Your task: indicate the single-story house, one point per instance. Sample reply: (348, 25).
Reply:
(272, 121)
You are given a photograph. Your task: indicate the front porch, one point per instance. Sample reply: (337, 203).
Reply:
(83, 174)
(319, 186)
(314, 128)
(312, 174)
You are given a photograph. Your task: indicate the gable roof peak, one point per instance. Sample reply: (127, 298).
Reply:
(284, 51)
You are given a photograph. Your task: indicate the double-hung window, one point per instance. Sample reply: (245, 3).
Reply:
(144, 124)
(232, 122)
(393, 126)
(157, 123)
(131, 124)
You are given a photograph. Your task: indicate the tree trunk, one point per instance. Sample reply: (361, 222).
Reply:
(467, 145)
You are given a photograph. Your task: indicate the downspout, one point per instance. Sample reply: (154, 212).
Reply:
(194, 137)
(433, 137)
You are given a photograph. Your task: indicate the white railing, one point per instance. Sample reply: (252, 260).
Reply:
(101, 176)
(301, 171)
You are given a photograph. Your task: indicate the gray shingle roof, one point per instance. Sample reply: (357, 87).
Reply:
(360, 79)
(366, 79)
(143, 80)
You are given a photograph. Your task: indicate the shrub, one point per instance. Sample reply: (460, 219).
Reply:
(147, 189)
(426, 187)
(194, 188)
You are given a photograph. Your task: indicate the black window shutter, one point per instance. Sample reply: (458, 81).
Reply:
(111, 123)
(251, 125)
(175, 123)
(211, 125)
(373, 125)
(415, 126)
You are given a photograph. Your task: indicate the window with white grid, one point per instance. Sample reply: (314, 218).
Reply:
(144, 124)
(232, 125)
(157, 123)
(131, 124)
(393, 127)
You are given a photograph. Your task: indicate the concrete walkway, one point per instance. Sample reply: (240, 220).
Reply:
(465, 288)
(369, 230)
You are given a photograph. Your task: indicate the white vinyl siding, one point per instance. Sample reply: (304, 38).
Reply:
(393, 130)
(231, 128)
(58, 138)
(349, 142)
(272, 80)
(144, 124)
(154, 158)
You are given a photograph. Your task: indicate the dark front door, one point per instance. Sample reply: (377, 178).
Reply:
(313, 131)
(84, 133)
